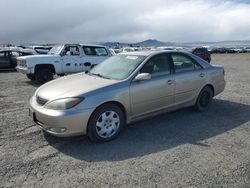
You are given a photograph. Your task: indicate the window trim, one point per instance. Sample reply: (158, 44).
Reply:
(94, 47)
(66, 46)
(157, 76)
(188, 57)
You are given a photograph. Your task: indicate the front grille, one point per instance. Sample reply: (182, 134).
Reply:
(41, 101)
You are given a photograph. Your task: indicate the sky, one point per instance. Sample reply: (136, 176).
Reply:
(61, 21)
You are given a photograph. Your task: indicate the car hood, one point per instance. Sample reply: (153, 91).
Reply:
(30, 57)
(72, 86)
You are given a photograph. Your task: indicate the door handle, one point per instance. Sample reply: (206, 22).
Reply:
(202, 74)
(68, 64)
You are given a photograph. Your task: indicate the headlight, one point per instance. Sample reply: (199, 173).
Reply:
(63, 104)
(22, 63)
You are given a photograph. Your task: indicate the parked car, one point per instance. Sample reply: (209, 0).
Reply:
(125, 88)
(219, 51)
(62, 59)
(40, 49)
(8, 58)
(202, 53)
(237, 50)
(247, 49)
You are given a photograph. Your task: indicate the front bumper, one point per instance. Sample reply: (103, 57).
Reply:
(70, 122)
(24, 70)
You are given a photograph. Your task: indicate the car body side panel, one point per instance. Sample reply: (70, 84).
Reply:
(188, 85)
(215, 77)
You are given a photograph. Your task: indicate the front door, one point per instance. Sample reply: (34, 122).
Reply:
(154, 94)
(71, 59)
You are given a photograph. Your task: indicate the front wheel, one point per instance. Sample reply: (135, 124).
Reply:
(44, 75)
(105, 123)
(204, 99)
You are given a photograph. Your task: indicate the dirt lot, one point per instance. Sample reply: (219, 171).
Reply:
(179, 149)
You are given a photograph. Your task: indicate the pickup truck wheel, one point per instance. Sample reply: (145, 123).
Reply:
(31, 76)
(44, 75)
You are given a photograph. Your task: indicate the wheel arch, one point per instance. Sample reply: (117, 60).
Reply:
(120, 105)
(210, 86)
(45, 66)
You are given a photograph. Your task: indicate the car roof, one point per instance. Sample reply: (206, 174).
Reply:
(16, 50)
(8, 50)
(151, 52)
(148, 53)
(91, 45)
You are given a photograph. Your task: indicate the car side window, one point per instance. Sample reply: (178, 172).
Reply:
(2, 54)
(89, 50)
(95, 51)
(101, 51)
(14, 54)
(71, 51)
(182, 63)
(157, 66)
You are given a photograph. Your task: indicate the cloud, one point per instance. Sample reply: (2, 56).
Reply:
(49, 21)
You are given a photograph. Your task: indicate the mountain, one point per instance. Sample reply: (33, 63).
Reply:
(156, 43)
(146, 43)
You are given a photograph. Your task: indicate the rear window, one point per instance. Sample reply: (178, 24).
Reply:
(95, 51)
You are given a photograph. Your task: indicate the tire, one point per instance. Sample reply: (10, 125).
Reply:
(44, 75)
(204, 99)
(31, 76)
(105, 123)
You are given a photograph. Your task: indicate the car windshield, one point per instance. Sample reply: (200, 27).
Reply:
(117, 67)
(55, 50)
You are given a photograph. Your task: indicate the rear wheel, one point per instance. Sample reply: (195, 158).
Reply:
(44, 75)
(204, 99)
(105, 123)
(31, 76)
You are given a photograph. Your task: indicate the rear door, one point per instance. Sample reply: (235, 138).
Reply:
(93, 55)
(189, 78)
(4, 59)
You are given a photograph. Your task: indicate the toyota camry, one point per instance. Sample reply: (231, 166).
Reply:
(125, 88)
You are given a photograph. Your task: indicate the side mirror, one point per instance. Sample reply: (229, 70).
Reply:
(142, 76)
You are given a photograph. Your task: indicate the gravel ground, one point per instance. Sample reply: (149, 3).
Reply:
(179, 149)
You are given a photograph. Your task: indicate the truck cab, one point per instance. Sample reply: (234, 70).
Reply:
(61, 60)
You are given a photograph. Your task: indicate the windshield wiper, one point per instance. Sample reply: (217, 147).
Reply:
(97, 74)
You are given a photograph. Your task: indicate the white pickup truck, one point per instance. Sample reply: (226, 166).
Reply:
(62, 59)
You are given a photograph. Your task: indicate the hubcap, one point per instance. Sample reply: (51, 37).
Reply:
(107, 124)
(205, 98)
